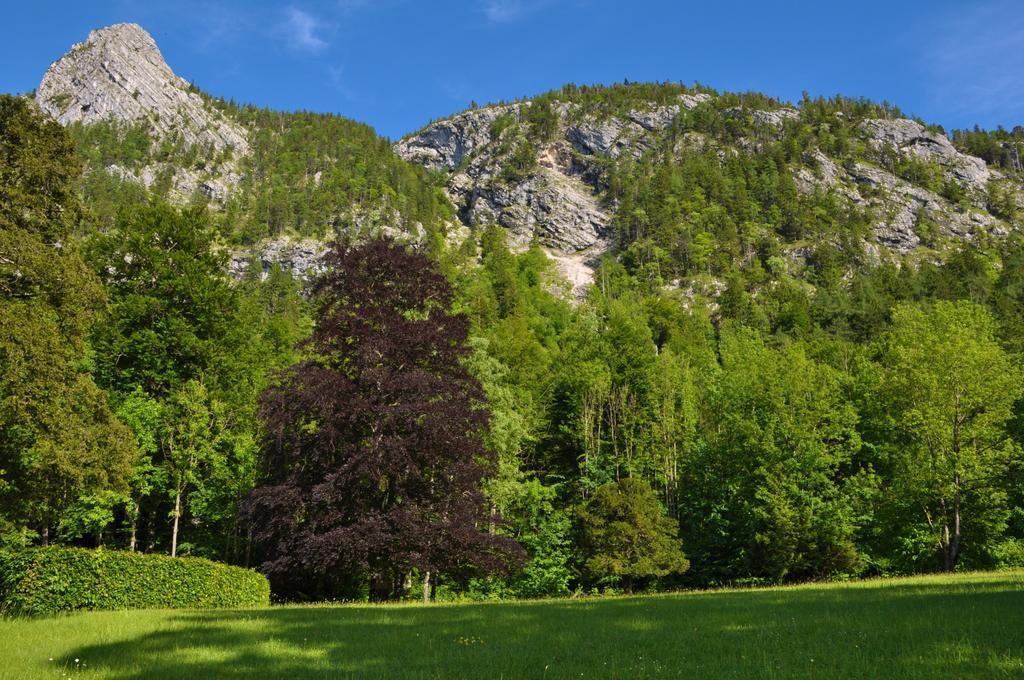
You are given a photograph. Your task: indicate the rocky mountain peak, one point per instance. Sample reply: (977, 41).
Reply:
(119, 73)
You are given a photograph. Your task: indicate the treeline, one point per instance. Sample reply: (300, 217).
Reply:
(718, 193)
(778, 424)
(1001, 148)
(316, 175)
(868, 427)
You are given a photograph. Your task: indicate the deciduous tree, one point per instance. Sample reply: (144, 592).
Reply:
(953, 390)
(374, 458)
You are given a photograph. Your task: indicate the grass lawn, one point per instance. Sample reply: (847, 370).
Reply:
(951, 627)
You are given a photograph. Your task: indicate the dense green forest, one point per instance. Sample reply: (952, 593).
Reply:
(838, 417)
(307, 174)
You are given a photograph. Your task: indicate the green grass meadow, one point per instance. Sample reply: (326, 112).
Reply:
(968, 625)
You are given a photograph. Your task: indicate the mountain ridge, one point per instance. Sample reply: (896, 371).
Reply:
(583, 143)
(546, 168)
(118, 73)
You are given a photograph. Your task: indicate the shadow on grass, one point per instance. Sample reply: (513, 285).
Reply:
(893, 631)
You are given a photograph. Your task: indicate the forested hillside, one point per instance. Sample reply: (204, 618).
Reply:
(143, 132)
(306, 174)
(789, 346)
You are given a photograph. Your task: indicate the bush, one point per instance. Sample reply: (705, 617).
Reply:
(39, 581)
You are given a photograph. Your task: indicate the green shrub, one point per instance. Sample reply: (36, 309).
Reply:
(39, 581)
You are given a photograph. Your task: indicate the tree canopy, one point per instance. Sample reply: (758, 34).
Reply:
(373, 461)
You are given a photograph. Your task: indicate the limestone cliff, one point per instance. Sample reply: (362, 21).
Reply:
(561, 201)
(118, 74)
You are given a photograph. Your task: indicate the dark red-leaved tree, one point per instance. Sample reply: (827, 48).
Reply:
(373, 458)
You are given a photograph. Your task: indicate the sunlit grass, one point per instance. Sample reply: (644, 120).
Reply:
(963, 626)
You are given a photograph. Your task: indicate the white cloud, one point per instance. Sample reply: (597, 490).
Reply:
(508, 11)
(302, 30)
(502, 11)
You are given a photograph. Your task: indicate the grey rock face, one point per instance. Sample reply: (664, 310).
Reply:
(655, 119)
(902, 212)
(602, 138)
(612, 136)
(560, 211)
(558, 203)
(692, 101)
(444, 144)
(897, 206)
(119, 73)
(774, 118)
(303, 258)
(552, 204)
(910, 137)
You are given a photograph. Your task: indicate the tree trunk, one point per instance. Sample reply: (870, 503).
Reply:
(248, 547)
(133, 537)
(426, 587)
(44, 535)
(151, 532)
(398, 586)
(174, 531)
(380, 587)
(954, 541)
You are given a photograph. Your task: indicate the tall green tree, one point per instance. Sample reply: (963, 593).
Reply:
(953, 388)
(626, 537)
(186, 352)
(59, 440)
(763, 495)
(173, 314)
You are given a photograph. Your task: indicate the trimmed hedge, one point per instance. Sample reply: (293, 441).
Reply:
(39, 581)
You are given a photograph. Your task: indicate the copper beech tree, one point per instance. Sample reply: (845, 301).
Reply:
(373, 458)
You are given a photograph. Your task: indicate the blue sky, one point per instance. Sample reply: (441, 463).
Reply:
(396, 64)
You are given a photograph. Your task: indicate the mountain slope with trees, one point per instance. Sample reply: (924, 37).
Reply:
(688, 184)
(798, 356)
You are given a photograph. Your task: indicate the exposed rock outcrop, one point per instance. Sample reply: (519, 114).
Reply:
(904, 214)
(558, 210)
(775, 118)
(446, 143)
(910, 137)
(302, 258)
(119, 73)
(561, 203)
(558, 203)
(900, 207)
(613, 135)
